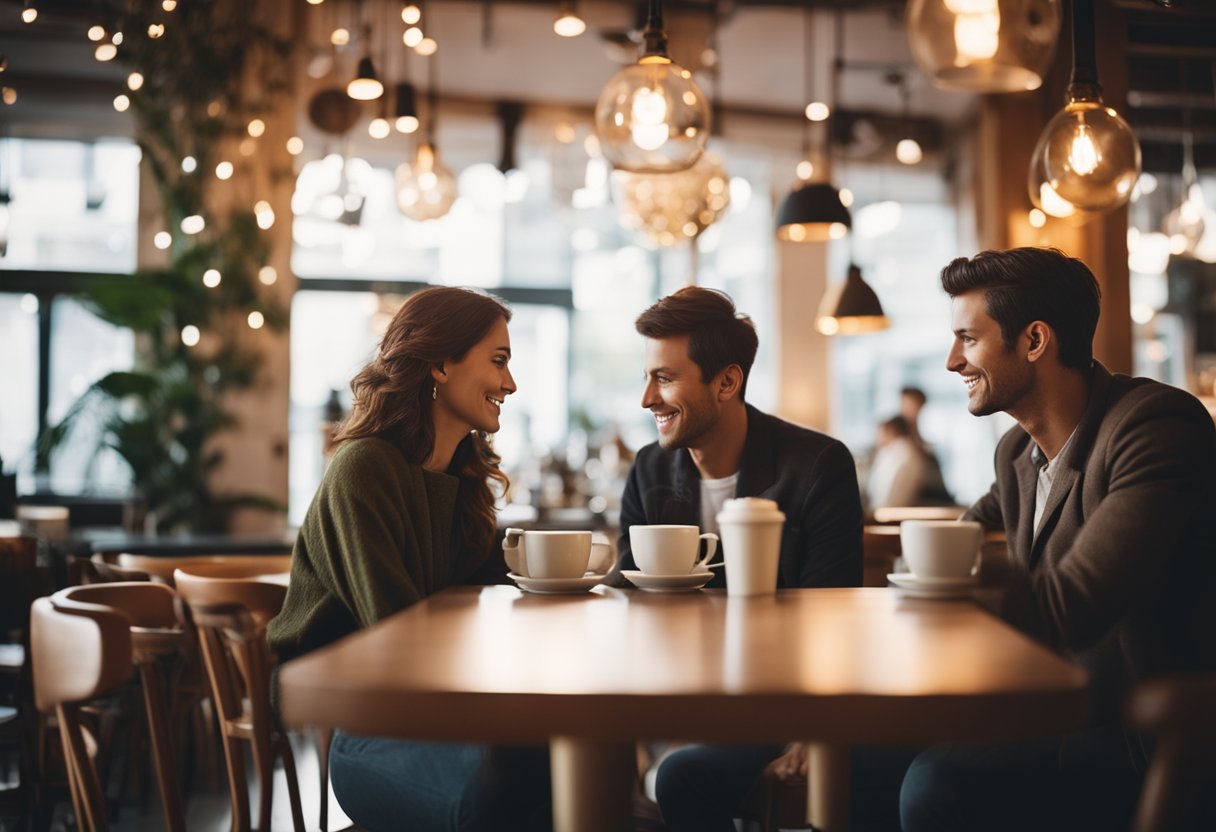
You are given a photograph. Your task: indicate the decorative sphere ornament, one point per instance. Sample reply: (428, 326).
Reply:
(669, 208)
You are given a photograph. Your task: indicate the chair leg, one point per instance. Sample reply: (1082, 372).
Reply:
(238, 787)
(263, 761)
(163, 757)
(83, 773)
(293, 782)
(324, 738)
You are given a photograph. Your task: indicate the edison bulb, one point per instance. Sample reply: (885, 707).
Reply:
(426, 189)
(652, 118)
(1088, 154)
(983, 45)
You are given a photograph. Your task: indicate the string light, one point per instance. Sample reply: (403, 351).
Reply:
(193, 224)
(116, 39)
(121, 103)
(223, 170)
(1036, 218)
(427, 47)
(256, 128)
(412, 37)
(264, 214)
(379, 128)
(135, 81)
(156, 30)
(190, 335)
(97, 33)
(162, 240)
(169, 5)
(105, 52)
(295, 145)
(256, 319)
(212, 278)
(268, 275)
(339, 36)
(411, 14)
(189, 164)
(29, 14)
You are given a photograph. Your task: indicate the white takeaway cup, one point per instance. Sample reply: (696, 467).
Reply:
(751, 545)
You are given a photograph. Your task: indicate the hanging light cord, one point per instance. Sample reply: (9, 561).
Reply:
(1084, 64)
(808, 88)
(654, 38)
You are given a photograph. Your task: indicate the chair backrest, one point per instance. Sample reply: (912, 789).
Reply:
(144, 604)
(79, 653)
(162, 568)
(231, 614)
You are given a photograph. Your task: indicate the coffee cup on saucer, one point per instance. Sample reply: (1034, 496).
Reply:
(539, 553)
(671, 549)
(941, 549)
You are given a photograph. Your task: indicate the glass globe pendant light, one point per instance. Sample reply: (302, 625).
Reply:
(1088, 153)
(670, 208)
(652, 117)
(983, 45)
(426, 188)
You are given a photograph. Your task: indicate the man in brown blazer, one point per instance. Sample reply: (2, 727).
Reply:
(1106, 490)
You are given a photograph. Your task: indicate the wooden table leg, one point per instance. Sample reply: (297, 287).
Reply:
(827, 799)
(593, 784)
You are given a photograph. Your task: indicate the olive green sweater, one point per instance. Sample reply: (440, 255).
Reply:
(378, 536)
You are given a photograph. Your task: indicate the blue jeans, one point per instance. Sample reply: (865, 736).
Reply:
(385, 784)
(1088, 780)
(701, 787)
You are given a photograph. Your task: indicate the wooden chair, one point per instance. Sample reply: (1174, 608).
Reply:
(1180, 787)
(78, 656)
(898, 514)
(161, 569)
(156, 638)
(231, 608)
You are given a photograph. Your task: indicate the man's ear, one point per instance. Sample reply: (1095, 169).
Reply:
(729, 382)
(1039, 336)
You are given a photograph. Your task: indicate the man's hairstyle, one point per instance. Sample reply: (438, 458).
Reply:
(914, 393)
(1023, 285)
(718, 336)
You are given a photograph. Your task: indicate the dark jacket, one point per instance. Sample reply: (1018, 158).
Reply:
(1122, 577)
(810, 475)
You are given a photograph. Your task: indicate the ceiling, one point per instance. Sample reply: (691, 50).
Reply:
(507, 50)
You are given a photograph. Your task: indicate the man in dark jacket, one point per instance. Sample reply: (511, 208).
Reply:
(1105, 490)
(712, 447)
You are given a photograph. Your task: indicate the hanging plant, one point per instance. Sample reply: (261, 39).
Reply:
(207, 70)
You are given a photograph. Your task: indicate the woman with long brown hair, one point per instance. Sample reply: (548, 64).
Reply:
(406, 509)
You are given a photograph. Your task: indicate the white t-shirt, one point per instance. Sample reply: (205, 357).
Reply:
(713, 494)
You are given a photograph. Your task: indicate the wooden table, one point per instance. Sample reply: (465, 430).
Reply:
(592, 673)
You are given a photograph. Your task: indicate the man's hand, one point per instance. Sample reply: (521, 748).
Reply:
(791, 764)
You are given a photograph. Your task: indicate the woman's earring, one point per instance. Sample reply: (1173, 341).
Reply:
(435, 392)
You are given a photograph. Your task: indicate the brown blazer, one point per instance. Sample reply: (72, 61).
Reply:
(1122, 576)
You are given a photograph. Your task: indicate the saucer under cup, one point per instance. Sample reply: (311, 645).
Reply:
(941, 548)
(670, 549)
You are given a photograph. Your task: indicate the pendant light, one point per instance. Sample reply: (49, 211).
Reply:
(851, 307)
(568, 24)
(406, 120)
(1088, 153)
(1184, 225)
(983, 45)
(365, 86)
(813, 210)
(652, 117)
(426, 188)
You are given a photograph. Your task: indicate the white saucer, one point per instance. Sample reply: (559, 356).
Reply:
(668, 583)
(556, 586)
(939, 589)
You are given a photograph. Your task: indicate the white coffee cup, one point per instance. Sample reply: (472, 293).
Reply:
(539, 553)
(751, 545)
(670, 550)
(941, 548)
